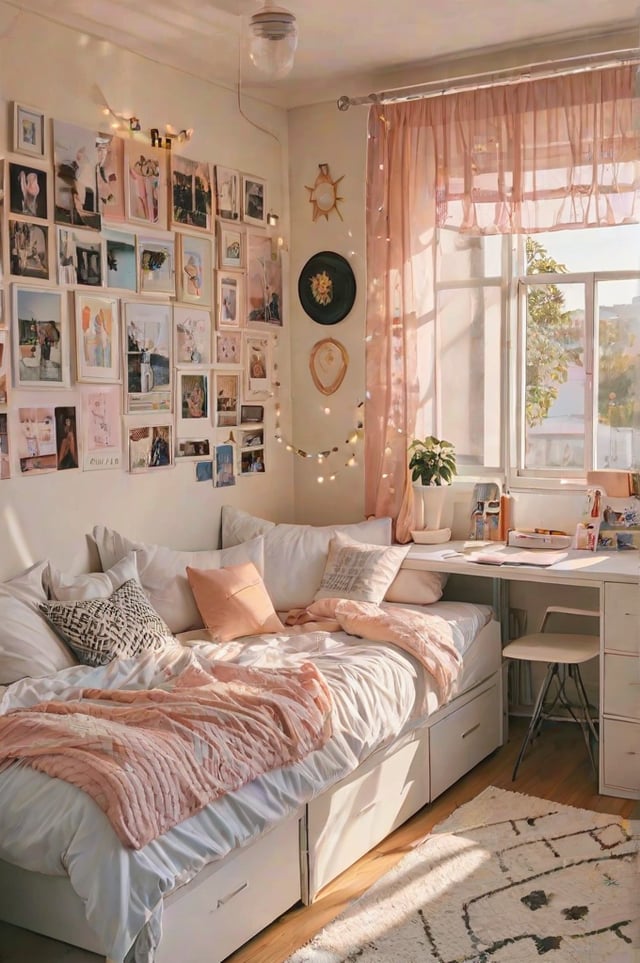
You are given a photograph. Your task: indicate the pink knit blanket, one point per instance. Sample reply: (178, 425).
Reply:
(151, 758)
(427, 637)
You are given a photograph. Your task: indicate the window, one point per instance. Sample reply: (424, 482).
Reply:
(565, 396)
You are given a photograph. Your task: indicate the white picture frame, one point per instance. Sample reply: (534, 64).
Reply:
(100, 406)
(156, 263)
(231, 244)
(195, 267)
(193, 400)
(254, 200)
(28, 130)
(148, 367)
(192, 335)
(41, 338)
(228, 201)
(230, 299)
(97, 322)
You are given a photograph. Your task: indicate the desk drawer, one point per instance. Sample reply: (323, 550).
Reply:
(621, 756)
(622, 686)
(622, 617)
(463, 739)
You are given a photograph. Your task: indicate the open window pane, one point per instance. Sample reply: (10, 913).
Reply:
(618, 405)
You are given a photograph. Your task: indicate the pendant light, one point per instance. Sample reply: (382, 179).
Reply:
(273, 38)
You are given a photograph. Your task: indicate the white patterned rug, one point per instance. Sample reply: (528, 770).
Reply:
(507, 878)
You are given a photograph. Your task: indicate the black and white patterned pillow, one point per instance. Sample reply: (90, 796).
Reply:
(100, 630)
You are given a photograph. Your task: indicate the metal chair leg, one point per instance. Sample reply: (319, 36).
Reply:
(536, 718)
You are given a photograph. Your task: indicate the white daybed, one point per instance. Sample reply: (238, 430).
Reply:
(63, 871)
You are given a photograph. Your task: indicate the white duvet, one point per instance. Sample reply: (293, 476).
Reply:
(51, 827)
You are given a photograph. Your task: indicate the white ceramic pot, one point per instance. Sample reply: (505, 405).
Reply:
(428, 505)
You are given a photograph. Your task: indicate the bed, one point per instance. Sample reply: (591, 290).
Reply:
(394, 747)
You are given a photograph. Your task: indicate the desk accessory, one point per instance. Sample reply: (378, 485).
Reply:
(431, 536)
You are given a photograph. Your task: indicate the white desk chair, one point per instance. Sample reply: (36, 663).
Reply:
(564, 652)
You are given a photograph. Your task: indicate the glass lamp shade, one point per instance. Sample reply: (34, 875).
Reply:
(273, 41)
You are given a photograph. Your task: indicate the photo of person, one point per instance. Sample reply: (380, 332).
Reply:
(150, 446)
(75, 182)
(145, 184)
(27, 191)
(29, 250)
(67, 273)
(252, 461)
(36, 439)
(160, 448)
(66, 438)
(194, 394)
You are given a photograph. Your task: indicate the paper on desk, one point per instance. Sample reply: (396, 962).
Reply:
(444, 553)
(528, 557)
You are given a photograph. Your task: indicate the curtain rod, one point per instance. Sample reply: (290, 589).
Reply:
(535, 71)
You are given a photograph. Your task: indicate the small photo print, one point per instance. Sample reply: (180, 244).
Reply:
(204, 471)
(5, 464)
(193, 393)
(80, 255)
(102, 436)
(195, 269)
(228, 348)
(192, 448)
(192, 335)
(122, 264)
(228, 193)
(66, 437)
(28, 130)
(252, 439)
(75, 183)
(258, 366)
(36, 440)
(27, 191)
(156, 257)
(229, 300)
(252, 461)
(227, 395)
(41, 348)
(254, 209)
(191, 192)
(148, 365)
(230, 246)
(225, 471)
(29, 247)
(146, 184)
(150, 447)
(4, 368)
(110, 176)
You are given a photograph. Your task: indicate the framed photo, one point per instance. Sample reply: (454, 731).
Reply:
(150, 447)
(254, 204)
(227, 193)
(101, 427)
(254, 438)
(192, 449)
(97, 338)
(230, 299)
(204, 471)
(5, 464)
(193, 394)
(121, 269)
(228, 349)
(88, 250)
(149, 354)
(264, 282)
(195, 259)
(230, 246)
(191, 193)
(4, 369)
(225, 465)
(251, 461)
(251, 414)
(257, 362)
(29, 250)
(145, 184)
(28, 192)
(40, 338)
(28, 130)
(75, 156)
(192, 330)
(34, 435)
(227, 399)
(157, 264)
(110, 176)
(66, 437)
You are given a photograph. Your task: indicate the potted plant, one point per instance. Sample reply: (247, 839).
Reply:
(432, 464)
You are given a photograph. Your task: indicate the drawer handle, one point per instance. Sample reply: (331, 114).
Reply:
(229, 896)
(469, 731)
(366, 809)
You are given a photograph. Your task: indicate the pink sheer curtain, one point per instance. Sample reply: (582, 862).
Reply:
(543, 155)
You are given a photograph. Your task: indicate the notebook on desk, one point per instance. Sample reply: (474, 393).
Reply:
(527, 557)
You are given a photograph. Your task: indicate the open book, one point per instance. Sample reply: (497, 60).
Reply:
(529, 556)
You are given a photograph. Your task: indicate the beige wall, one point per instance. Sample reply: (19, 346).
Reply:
(59, 71)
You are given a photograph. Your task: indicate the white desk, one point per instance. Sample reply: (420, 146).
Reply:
(616, 576)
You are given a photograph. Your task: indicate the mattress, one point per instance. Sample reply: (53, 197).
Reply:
(53, 828)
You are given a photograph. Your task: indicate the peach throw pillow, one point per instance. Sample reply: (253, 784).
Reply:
(233, 601)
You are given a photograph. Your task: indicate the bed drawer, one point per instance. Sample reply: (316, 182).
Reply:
(621, 757)
(622, 686)
(622, 617)
(220, 910)
(462, 739)
(350, 818)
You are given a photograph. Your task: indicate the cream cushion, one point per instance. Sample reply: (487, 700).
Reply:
(90, 585)
(233, 602)
(415, 587)
(162, 572)
(295, 555)
(359, 571)
(28, 645)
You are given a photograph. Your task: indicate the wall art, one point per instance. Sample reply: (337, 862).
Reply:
(323, 194)
(192, 329)
(101, 427)
(150, 447)
(328, 364)
(264, 282)
(110, 176)
(156, 264)
(97, 338)
(146, 184)
(227, 193)
(121, 260)
(40, 338)
(195, 269)
(193, 393)
(230, 246)
(225, 465)
(66, 437)
(257, 362)
(252, 461)
(254, 203)
(5, 463)
(227, 389)
(190, 449)
(228, 349)
(148, 365)
(28, 130)
(191, 193)
(4, 368)
(35, 439)
(29, 250)
(75, 155)
(230, 299)
(28, 192)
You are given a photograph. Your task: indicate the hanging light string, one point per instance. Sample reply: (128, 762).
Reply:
(350, 443)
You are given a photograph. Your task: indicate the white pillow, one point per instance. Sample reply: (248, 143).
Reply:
(28, 645)
(163, 572)
(239, 526)
(90, 585)
(359, 571)
(416, 587)
(295, 557)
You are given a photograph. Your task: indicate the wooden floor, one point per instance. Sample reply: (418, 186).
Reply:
(556, 767)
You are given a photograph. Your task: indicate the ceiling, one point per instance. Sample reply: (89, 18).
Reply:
(345, 46)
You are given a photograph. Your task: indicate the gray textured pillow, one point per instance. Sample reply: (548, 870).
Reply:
(100, 630)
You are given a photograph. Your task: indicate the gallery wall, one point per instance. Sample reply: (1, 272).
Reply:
(69, 77)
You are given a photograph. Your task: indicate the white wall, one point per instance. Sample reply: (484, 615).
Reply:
(59, 70)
